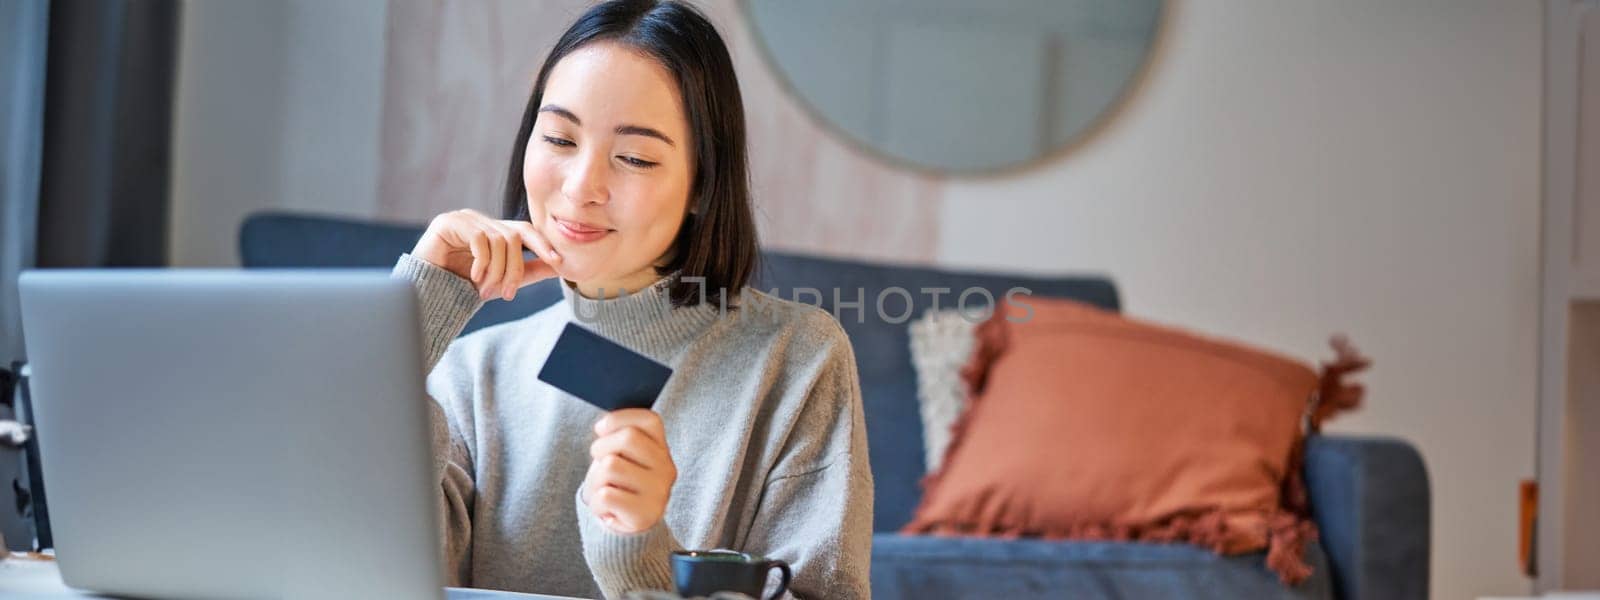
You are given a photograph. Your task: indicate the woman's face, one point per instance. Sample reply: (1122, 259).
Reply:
(608, 167)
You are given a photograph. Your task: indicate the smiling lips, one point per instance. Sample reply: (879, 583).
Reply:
(579, 232)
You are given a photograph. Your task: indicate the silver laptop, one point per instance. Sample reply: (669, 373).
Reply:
(233, 434)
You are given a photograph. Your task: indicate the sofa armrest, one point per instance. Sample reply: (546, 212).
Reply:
(1370, 499)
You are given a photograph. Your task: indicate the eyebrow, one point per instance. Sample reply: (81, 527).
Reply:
(620, 130)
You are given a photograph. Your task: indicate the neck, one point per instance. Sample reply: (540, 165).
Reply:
(643, 320)
(596, 289)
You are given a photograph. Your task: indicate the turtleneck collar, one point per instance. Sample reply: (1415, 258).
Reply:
(644, 320)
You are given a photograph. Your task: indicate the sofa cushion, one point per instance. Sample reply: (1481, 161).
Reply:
(961, 567)
(1084, 424)
(941, 344)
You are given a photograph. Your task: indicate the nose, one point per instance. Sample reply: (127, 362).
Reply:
(585, 179)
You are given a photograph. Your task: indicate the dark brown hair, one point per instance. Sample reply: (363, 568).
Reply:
(717, 240)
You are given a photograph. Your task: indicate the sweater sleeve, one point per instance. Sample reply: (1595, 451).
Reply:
(445, 302)
(816, 509)
(621, 562)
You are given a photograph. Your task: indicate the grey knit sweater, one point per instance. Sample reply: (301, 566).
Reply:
(763, 419)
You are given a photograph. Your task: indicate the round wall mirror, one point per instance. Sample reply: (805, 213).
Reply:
(957, 85)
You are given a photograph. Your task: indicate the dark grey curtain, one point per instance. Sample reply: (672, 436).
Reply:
(107, 133)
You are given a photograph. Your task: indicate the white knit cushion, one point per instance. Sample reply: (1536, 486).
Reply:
(941, 342)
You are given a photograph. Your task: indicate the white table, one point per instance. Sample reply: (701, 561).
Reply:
(25, 577)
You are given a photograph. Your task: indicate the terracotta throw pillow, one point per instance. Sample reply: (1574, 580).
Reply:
(1083, 424)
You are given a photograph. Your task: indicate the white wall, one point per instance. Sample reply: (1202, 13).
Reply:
(1292, 169)
(278, 107)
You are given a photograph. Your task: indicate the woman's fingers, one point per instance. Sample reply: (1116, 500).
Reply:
(486, 251)
(637, 437)
(512, 278)
(631, 477)
(534, 240)
(633, 445)
(542, 267)
(625, 511)
(645, 419)
(499, 267)
(504, 270)
(626, 474)
(479, 244)
(516, 270)
(496, 269)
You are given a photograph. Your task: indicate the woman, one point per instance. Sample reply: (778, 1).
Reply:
(628, 176)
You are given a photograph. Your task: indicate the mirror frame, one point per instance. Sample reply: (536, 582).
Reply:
(1093, 129)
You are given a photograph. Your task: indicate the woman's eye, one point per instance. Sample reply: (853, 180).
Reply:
(637, 162)
(555, 141)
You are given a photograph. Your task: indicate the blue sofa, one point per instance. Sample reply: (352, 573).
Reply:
(1370, 496)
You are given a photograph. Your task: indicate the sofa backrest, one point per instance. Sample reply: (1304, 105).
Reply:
(882, 348)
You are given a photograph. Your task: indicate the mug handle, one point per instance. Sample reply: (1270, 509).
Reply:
(784, 585)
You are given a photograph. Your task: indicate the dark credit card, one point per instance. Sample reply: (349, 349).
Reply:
(602, 372)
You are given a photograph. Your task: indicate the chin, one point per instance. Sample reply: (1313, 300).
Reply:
(578, 266)
(575, 269)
